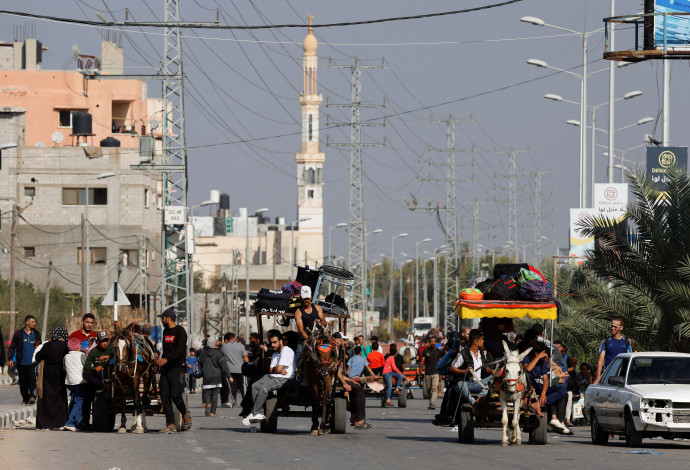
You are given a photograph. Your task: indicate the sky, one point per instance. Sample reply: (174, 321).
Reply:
(242, 89)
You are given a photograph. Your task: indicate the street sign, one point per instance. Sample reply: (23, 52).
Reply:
(175, 215)
(110, 298)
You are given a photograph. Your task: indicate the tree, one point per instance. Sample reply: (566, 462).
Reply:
(645, 259)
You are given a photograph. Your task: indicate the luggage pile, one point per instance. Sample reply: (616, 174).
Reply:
(511, 282)
(285, 300)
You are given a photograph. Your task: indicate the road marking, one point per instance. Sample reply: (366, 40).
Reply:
(215, 460)
(190, 441)
(198, 450)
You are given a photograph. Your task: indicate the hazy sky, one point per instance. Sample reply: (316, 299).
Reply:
(240, 89)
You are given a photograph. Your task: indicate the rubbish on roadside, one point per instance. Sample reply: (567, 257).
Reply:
(637, 451)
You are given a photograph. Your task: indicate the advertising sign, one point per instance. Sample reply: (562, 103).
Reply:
(660, 159)
(580, 243)
(677, 26)
(610, 200)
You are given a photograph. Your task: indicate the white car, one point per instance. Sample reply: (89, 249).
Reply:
(641, 395)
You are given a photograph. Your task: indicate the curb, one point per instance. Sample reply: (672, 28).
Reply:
(7, 417)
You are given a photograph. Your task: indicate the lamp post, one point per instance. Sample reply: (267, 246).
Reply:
(86, 257)
(401, 286)
(364, 277)
(340, 225)
(292, 236)
(593, 109)
(190, 276)
(416, 276)
(622, 157)
(373, 298)
(583, 89)
(390, 293)
(246, 260)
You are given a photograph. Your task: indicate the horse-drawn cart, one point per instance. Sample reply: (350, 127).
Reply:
(295, 399)
(490, 414)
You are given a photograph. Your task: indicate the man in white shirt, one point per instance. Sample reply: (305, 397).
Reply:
(282, 369)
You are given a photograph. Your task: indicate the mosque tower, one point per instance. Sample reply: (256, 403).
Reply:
(309, 242)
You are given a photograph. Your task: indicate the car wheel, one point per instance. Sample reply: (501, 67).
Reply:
(599, 436)
(633, 437)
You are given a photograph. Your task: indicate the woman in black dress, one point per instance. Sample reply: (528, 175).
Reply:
(51, 412)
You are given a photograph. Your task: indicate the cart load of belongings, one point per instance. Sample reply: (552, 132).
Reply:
(516, 290)
(285, 300)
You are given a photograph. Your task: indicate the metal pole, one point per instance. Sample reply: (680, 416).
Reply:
(390, 293)
(612, 85)
(583, 124)
(666, 112)
(416, 282)
(87, 260)
(246, 295)
(292, 249)
(401, 289)
(329, 245)
(592, 170)
(436, 289)
(83, 265)
(46, 302)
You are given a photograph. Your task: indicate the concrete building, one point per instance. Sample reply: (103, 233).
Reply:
(46, 176)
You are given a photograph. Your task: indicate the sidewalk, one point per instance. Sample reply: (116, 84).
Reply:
(9, 410)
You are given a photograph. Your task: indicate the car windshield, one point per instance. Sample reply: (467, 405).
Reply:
(422, 326)
(663, 370)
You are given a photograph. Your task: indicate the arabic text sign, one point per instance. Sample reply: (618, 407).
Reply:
(580, 243)
(660, 159)
(610, 200)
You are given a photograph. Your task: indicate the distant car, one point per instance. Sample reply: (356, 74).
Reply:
(641, 395)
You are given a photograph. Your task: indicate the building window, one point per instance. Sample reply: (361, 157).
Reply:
(98, 255)
(310, 194)
(310, 127)
(310, 176)
(66, 117)
(29, 251)
(129, 258)
(29, 191)
(77, 196)
(122, 117)
(147, 197)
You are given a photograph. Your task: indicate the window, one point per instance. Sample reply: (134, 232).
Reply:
(29, 191)
(310, 194)
(122, 117)
(310, 176)
(98, 255)
(619, 366)
(29, 251)
(310, 127)
(147, 197)
(77, 196)
(66, 117)
(129, 258)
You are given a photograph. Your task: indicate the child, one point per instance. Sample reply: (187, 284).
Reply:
(74, 366)
(191, 361)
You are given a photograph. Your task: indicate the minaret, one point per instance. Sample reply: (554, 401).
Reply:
(310, 163)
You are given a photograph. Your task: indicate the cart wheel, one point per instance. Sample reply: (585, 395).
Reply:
(538, 436)
(270, 424)
(339, 416)
(402, 398)
(466, 427)
(336, 271)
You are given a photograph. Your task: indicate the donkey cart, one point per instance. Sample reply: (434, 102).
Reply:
(490, 414)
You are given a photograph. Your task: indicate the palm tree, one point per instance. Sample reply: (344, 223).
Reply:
(645, 259)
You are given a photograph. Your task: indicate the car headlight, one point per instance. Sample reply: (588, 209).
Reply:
(654, 403)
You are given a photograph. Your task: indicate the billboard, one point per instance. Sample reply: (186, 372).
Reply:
(677, 26)
(660, 159)
(580, 243)
(610, 200)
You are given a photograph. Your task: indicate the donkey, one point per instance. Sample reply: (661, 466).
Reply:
(134, 365)
(512, 385)
(320, 365)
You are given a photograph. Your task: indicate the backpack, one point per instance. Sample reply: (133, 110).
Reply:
(485, 286)
(505, 289)
(535, 290)
(509, 269)
(526, 275)
(197, 370)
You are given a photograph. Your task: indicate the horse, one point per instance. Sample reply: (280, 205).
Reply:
(512, 386)
(134, 364)
(320, 364)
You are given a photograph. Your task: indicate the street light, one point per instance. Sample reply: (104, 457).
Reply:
(86, 257)
(292, 237)
(390, 293)
(583, 88)
(246, 260)
(416, 276)
(401, 286)
(340, 225)
(364, 276)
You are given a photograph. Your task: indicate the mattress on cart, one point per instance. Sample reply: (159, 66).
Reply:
(506, 309)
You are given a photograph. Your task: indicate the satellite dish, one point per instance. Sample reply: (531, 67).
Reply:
(39, 144)
(57, 137)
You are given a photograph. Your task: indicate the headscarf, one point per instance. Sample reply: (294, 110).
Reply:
(211, 342)
(60, 332)
(74, 344)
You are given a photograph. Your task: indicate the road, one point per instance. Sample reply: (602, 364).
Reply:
(402, 438)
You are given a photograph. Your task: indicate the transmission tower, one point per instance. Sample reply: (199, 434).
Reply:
(356, 247)
(475, 232)
(512, 204)
(538, 213)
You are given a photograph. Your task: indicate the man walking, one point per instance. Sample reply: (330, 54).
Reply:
(281, 370)
(172, 366)
(236, 355)
(612, 346)
(24, 342)
(430, 358)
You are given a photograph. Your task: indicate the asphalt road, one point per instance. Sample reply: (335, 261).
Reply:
(402, 438)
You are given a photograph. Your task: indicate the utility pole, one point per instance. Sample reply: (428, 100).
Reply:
(512, 205)
(475, 232)
(13, 259)
(84, 260)
(537, 214)
(357, 262)
(452, 264)
(235, 294)
(46, 301)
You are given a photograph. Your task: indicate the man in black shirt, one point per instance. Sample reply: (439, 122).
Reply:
(173, 366)
(430, 358)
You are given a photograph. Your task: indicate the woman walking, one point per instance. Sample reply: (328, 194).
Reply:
(51, 412)
(210, 359)
(390, 370)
